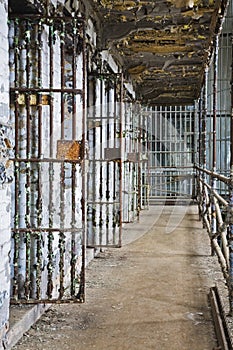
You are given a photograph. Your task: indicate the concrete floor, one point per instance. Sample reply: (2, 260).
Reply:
(149, 294)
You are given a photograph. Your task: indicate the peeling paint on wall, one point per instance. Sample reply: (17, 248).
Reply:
(6, 152)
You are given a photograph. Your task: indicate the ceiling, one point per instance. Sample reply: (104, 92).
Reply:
(164, 45)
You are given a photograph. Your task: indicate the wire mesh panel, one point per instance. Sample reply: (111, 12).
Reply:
(171, 152)
(46, 92)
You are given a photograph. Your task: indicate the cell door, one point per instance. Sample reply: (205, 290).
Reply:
(47, 66)
(171, 154)
(104, 193)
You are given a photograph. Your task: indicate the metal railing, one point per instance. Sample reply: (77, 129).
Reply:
(216, 212)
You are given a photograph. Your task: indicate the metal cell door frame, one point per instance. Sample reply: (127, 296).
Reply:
(104, 197)
(171, 153)
(49, 228)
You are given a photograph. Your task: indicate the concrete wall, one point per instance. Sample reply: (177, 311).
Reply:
(5, 176)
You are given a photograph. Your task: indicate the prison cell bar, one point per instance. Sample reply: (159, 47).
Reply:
(27, 34)
(204, 117)
(51, 168)
(121, 159)
(231, 191)
(73, 166)
(215, 80)
(16, 235)
(39, 184)
(98, 163)
(28, 160)
(82, 286)
(199, 150)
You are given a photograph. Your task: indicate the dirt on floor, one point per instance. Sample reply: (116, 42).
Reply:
(149, 294)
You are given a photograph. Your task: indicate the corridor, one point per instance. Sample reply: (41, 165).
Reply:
(116, 172)
(150, 294)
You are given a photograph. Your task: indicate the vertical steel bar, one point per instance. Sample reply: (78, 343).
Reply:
(62, 63)
(62, 169)
(74, 235)
(140, 164)
(204, 117)
(39, 184)
(114, 163)
(51, 170)
(107, 166)
(213, 207)
(73, 169)
(84, 169)
(121, 161)
(28, 166)
(17, 166)
(74, 80)
(231, 194)
(101, 167)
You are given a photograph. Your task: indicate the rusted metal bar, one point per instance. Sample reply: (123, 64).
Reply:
(199, 160)
(73, 168)
(30, 233)
(74, 234)
(28, 167)
(48, 301)
(121, 160)
(16, 235)
(62, 64)
(220, 323)
(48, 229)
(50, 266)
(46, 160)
(35, 90)
(231, 194)
(139, 144)
(107, 172)
(220, 177)
(81, 293)
(99, 194)
(216, 194)
(103, 246)
(114, 166)
(207, 217)
(215, 81)
(74, 80)
(213, 182)
(222, 232)
(61, 233)
(39, 176)
(204, 117)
